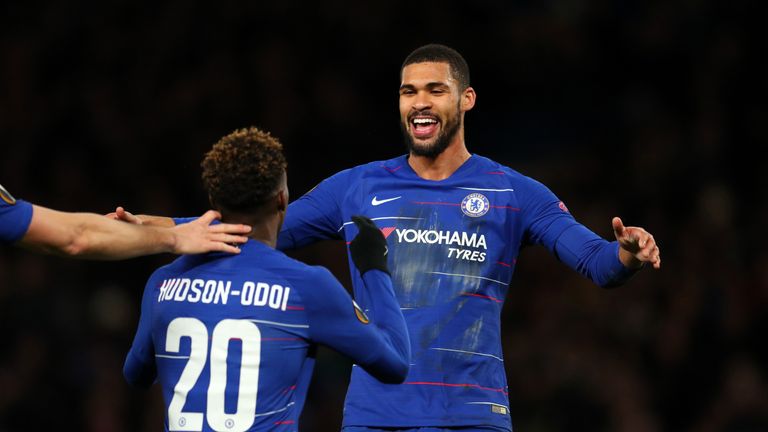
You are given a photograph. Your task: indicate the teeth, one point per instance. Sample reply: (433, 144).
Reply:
(424, 121)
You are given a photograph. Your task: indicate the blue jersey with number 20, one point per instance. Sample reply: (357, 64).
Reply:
(231, 338)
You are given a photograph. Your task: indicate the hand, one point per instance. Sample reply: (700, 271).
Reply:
(369, 247)
(636, 246)
(122, 215)
(199, 236)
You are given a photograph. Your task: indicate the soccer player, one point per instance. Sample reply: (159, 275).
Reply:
(231, 339)
(88, 235)
(455, 223)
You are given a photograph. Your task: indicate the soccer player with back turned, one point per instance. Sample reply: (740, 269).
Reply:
(231, 338)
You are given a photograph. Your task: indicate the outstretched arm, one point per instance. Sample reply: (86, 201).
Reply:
(92, 236)
(157, 221)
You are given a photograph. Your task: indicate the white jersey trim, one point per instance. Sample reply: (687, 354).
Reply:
(280, 324)
(469, 276)
(469, 352)
(379, 218)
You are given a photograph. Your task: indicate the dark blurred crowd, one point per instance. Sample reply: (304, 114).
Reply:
(654, 111)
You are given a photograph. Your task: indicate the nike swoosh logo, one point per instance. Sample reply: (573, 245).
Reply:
(376, 201)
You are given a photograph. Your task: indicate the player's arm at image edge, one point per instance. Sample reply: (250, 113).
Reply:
(139, 369)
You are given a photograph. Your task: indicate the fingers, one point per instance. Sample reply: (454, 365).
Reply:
(229, 228)
(227, 238)
(126, 216)
(223, 247)
(618, 227)
(639, 245)
(364, 223)
(360, 221)
(649, 250)
(209, 217)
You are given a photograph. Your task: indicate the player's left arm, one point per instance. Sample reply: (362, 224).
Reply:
(376, 340)
(92, 236)
(608, 264)
(139, 368)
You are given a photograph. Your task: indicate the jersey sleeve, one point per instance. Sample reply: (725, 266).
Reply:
(139, 368)
(375, 339)
(183, 220)
(552, 225)
(15, 217)
(316, 215)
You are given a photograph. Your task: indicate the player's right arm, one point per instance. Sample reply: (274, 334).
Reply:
(317, 214)
(377, 338)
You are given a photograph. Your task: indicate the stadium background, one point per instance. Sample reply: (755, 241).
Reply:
(652, 110)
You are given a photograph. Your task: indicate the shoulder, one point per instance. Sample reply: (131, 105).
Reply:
(520, 182)
(271, 261)
(374, 168)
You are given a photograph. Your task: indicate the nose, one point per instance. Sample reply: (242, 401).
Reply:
(422, 101)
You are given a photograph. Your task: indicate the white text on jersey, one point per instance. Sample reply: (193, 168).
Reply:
(217, 292)
(451, 238)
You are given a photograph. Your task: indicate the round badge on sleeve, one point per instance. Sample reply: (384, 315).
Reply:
(475, 205)
(6, 196)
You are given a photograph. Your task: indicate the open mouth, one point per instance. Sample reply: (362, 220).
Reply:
(424, 126)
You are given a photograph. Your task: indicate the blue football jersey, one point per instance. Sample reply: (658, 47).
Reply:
(453, 246)
(15, 217)
(231, 338)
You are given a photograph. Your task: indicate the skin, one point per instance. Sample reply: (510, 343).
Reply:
(91, 236)
(428, 90)
(265, 221)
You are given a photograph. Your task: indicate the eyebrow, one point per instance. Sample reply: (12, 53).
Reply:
(429, 86)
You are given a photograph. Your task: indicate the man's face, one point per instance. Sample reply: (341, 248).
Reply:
(430, 108)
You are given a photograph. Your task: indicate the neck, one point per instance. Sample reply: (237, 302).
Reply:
(264, 228)
(443, 165)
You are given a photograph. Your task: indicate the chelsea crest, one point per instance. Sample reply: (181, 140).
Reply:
(475, 205)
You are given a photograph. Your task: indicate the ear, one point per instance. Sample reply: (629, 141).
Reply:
(468, 97)
(282, 200)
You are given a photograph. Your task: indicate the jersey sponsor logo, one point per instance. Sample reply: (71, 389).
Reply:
(376, 202)
(475, 205)
(361, 316)
(6, 196)
(464, 245)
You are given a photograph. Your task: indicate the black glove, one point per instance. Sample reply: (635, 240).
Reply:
(369, 247)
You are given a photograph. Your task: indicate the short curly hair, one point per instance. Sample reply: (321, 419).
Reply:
(441, 54)
(243, 169)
